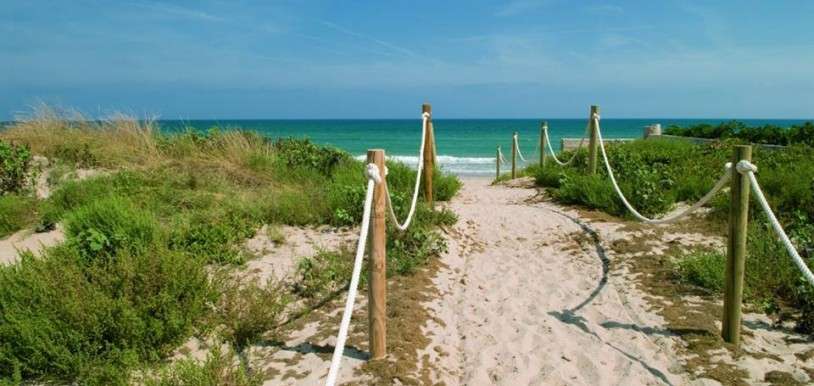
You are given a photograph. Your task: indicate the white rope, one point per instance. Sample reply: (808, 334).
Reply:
(373, 178)
(747, 168)
(554, 155)
(517, 147)
(500, 155)
(403, 226)
(665, 220)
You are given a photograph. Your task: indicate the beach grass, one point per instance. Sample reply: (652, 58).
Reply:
(145, 233)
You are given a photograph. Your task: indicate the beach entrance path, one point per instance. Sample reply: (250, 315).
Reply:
(528, 298)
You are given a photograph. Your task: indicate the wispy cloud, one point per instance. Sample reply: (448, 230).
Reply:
(390, 46)
(517, 7)
(178, 11)
(606, 9)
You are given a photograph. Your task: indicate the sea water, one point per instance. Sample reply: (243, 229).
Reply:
(464, 146)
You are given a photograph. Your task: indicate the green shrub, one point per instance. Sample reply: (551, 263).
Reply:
(78, 154)
(592, 191)
(64, 317)
(219, 369)
(704, 269)
(445, 186)
(16, 212)
(214, 235)
(770, 134)
(323, 273)
(109, 226)
(247, 311)
(15, 162)
(304, 154)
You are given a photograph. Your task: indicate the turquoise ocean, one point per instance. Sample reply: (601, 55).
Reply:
(464, 146)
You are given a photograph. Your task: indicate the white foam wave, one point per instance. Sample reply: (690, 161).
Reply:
(452, 164)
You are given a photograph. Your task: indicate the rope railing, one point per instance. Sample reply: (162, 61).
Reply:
(517, 147)
(374, 178)
(743, 180)
(554, 155)
(748, 169)
(403, 226)
(665, 220)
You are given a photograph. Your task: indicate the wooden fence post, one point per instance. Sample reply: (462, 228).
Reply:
(377, 284)
(429, 154)
(593, 144)
(736, 248)
(514, 156)
(497, 163)
(543, 141)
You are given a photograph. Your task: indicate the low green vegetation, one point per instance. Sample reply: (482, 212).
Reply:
(152, 241)
(655, 175)
(218, 369)
(768, 134)
(14, 166)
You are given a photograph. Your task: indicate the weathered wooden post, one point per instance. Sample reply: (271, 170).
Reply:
(736, 248)
(593, 144)
(497, 163)
(429, 154)
(543, 141)
(514, 156)
(377, 287)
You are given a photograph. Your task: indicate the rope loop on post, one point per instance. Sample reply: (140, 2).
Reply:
(372, 173)
(745, 166)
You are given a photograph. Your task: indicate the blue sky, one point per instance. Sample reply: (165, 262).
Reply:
(382, 59)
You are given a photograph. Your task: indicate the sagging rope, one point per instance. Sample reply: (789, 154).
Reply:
(665, 220)
(403, 226)
(373, 178)
(500, 158)
(747, 168)
(554, 155)
(517, 147)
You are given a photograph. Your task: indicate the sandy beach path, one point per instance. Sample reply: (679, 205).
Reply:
(523, 302)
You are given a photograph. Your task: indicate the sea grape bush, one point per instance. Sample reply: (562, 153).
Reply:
(768, 134)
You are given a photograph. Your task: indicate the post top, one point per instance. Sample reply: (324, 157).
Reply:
(594, 109)
(426, 108)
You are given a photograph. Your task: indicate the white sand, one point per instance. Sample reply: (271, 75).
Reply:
(520, 309)
(27, 240)
(529, 299)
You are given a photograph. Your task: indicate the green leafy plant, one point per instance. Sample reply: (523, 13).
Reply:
(15, 163)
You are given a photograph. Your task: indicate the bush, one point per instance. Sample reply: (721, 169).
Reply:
(214, 235)
(303, 154)
(769, 134)
(704, 269)
(323, 273)
(249, 310)
(592, 191)
(109, 226)
(68, 318)
(219, 369)
(16, 212)
(15, 162)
